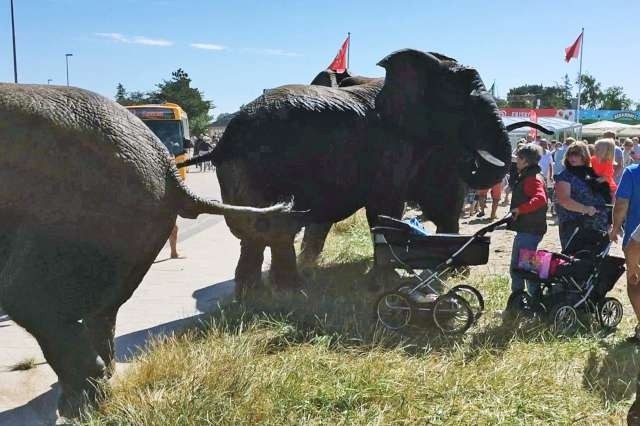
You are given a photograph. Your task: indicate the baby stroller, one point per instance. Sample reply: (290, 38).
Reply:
(452, 310)
(578, 287)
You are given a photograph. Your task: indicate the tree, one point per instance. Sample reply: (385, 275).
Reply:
(121, 94)
(615, 98)
(178, 90)
(591, 94)
(523, 96)
(567, 86)
(526, 96)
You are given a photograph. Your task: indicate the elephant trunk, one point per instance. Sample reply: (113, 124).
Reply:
(489, 156)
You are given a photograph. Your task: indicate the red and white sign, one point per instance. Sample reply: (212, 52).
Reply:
(565, 114)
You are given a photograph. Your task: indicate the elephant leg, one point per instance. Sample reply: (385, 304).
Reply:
(382, 277)
(101, 332)
(68, 350)
(33, 298)
(315, 235)
(249, 269)
(391, 208)
(284, 271)
(445, 207)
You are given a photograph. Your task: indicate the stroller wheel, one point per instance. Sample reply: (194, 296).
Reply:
(563, 319)
(520, 303)
(610, 312)
(394, 310)
(452, 314)
(472, 296)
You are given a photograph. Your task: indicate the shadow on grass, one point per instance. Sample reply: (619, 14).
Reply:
(337, 306)
(612, 376)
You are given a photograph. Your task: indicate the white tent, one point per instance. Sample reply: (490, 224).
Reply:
(629, 131)
(599, 127)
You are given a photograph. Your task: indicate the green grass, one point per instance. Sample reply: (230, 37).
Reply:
(318, 357)
(25, 364)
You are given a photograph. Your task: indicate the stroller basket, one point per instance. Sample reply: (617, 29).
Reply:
(394, 247)
(611, 269)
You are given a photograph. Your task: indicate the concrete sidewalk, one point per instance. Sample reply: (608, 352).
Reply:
(173, 294)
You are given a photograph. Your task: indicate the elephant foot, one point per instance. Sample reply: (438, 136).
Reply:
(286, 280)
(284, 269)
(307, 261)
(248, 275)
(74, 402)
(245, 286)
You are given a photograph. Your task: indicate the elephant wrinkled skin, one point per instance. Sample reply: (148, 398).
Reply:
(88, 198)
(337, 149)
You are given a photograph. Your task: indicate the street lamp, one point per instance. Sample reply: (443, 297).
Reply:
(13, 32)
(66, 57)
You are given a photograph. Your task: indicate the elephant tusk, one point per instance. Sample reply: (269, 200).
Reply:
(486, 155)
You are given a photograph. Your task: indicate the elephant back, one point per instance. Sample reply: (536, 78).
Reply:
(68, 154)
(284, 110)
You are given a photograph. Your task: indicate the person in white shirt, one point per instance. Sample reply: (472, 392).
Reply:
(546, 162)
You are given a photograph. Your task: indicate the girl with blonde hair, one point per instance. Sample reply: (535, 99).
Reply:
(602, 162)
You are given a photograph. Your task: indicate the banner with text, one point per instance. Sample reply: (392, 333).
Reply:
(565, 114)
(619, 116)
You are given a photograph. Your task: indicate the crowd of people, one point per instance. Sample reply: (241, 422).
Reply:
(583, 185)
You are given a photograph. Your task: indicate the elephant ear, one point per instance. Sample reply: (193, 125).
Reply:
(410, 78)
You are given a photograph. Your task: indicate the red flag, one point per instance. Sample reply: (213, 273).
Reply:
(574, 50)
(339, 63)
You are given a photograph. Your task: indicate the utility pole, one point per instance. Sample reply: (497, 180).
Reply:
(13, 32)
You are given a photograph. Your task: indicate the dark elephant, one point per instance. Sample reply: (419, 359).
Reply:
(434, 181)
(335, 150)
(88, 198)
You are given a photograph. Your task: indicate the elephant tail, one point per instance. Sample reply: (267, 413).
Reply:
(190, 205)
(209, 156)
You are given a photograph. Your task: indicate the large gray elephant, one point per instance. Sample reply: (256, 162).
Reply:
(435, 180)
(88, 198)
(336, 150)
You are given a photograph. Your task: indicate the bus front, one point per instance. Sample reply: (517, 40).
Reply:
(170, 124)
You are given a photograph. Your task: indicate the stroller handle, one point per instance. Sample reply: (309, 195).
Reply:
(491, 227)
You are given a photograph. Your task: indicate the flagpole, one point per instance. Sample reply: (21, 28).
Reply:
(580, 83)
(348, 50)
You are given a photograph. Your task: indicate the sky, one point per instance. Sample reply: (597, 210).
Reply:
(233, 50)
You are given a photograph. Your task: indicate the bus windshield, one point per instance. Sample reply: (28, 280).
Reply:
(170, 133)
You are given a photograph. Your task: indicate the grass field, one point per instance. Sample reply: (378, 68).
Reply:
(320, 358)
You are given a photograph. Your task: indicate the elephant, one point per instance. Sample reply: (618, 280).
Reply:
(89, 198)
(336, 150)
(434, 181)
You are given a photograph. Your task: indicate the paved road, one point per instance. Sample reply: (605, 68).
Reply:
(172, 294)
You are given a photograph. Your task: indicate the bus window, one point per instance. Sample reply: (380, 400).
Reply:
(185, 128)
(170, 134)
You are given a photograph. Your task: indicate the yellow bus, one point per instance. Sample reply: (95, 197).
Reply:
(170, 124)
